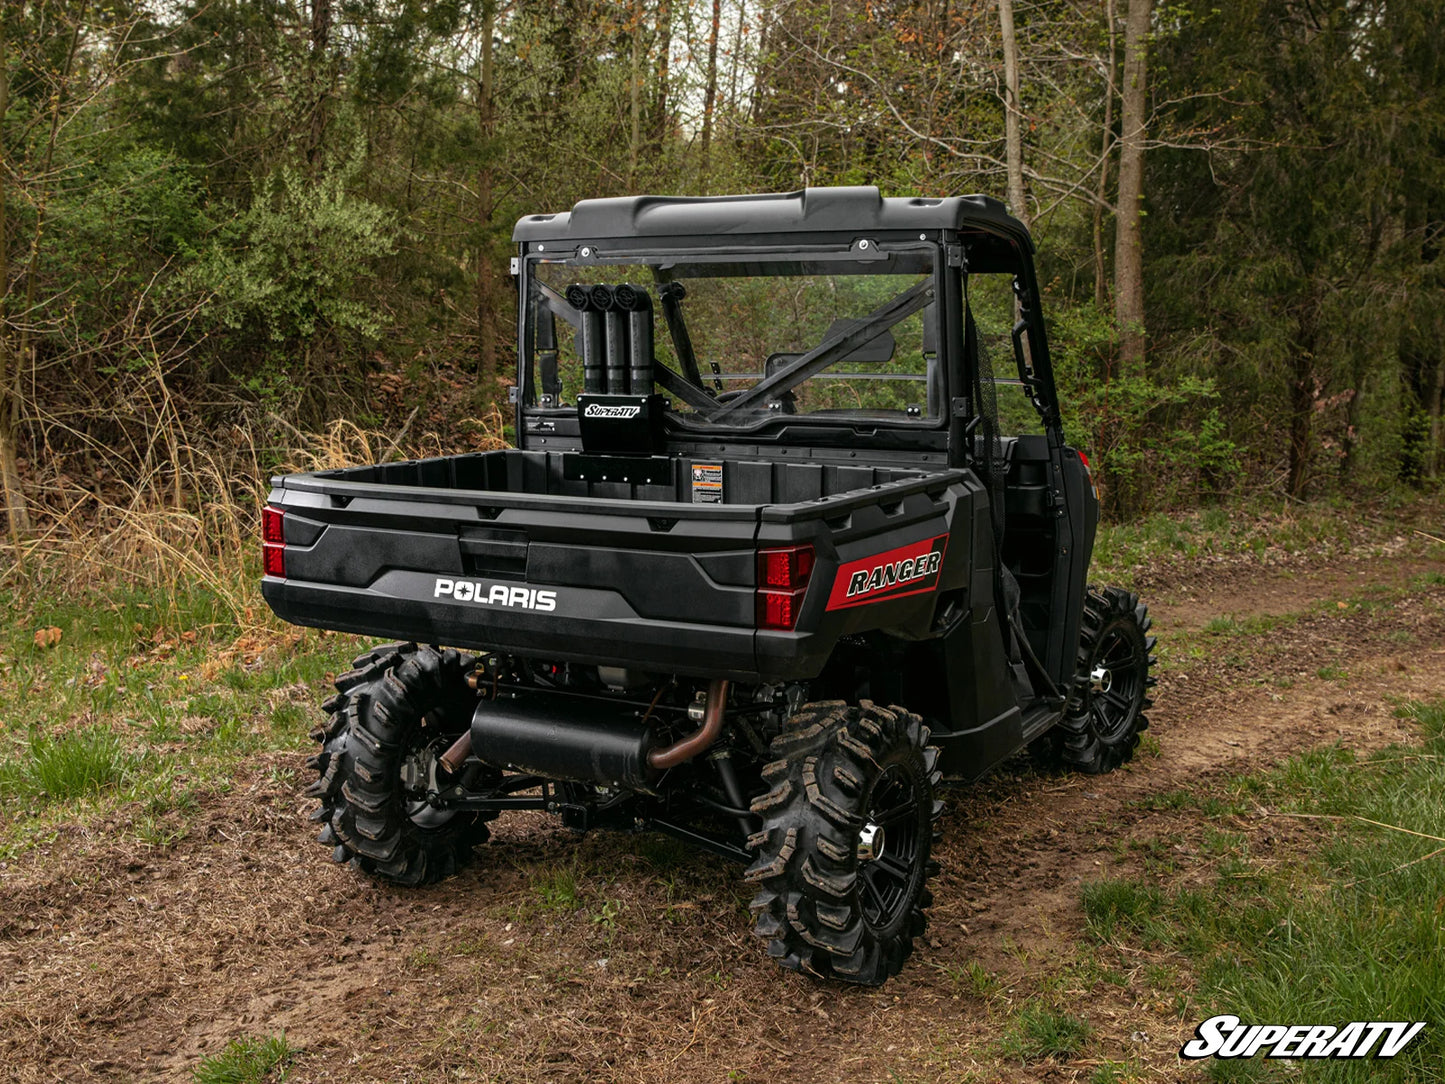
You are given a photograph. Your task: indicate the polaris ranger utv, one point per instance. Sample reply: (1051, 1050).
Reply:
(778, 551)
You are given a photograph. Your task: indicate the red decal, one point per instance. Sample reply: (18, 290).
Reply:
(908, 570)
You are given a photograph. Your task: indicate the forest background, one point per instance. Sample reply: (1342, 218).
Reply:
(237, 236)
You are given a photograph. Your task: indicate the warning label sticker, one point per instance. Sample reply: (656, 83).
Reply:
(707, 483)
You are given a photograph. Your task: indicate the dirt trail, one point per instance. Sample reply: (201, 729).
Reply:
(1249, 592)
(123, 963)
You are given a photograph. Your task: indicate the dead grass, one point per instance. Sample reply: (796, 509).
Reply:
(188, 520)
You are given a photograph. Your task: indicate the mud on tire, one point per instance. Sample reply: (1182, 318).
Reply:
(844, 854)
(1105, 716)
(392, 716)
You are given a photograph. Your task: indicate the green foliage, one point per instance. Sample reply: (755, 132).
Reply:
(343, 202)
(556, 889)
(1353, 934)
(69, 766)
(1114, 906)
(1041, 1031)
(248, 1061)
(127, 218)
(1152, 441)
(297, 261)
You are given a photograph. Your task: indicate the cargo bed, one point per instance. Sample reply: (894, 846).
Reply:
(548, 554)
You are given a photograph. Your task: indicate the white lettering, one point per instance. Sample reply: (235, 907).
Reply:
(1237, 1044)
(893, 573)
(1372, 1032)
(1225, 1037)
(1267, 1034)
(602, 410)
(1400, 1034)
(497, 594)
(1209, 1036)
(1315, 1042)
(1285, 1048)
(1344, 1041)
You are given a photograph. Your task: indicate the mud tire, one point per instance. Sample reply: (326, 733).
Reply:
(1101, 726)
(821, 909)
(398, 700)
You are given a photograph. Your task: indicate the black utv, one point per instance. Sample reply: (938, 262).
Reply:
(789, 537)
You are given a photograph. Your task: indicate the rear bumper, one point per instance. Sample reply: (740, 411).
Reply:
(586, 626)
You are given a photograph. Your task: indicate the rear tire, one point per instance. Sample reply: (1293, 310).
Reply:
(845, 852)
(392, 717)
(1105, 715)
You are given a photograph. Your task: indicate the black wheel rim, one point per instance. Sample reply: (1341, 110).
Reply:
(421, 761)
(1112, 709)
(888, 882)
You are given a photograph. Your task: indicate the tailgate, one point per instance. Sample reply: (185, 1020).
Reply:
(647, 584)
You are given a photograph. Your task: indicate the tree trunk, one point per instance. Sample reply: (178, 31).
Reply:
(1128, 234)
(16, 514)
(634, 144)
(737, 56)
(1106, 148)
(1013, 137)
(487, 362)
(664, 67)
(765, 17)
(320, 40)
(1437, 426)
(709, 99)
(1301, 409)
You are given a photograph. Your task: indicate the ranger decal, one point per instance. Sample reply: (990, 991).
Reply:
(908, 570)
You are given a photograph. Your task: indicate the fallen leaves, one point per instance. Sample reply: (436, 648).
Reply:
(47, 637)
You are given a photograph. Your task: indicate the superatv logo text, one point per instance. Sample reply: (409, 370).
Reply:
(497, 594)
(602, 410)
(907, 570)
(1228, 1037)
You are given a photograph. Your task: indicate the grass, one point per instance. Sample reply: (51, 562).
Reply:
(71, 765)
(248, 1061)
(556, 889)
(1262, 528)
(1116, 906)
(1041, 1031)
(971, 978)
(1351, 930)
(159, 693)
(138, 708)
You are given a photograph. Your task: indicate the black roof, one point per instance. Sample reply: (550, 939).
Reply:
(811, 210)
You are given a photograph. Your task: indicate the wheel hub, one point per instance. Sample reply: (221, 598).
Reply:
(870, 842)
(1102, 679)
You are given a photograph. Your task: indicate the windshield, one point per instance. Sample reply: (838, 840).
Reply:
(739, 339)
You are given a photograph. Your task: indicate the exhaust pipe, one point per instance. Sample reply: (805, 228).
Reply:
(635, 302)
(565, 738)
(593, 336)
(582, 740)
(604, 299)
(691, 746)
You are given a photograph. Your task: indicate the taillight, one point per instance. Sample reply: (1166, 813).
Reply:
(782, 582)
(273, 541)
(1089, 475)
